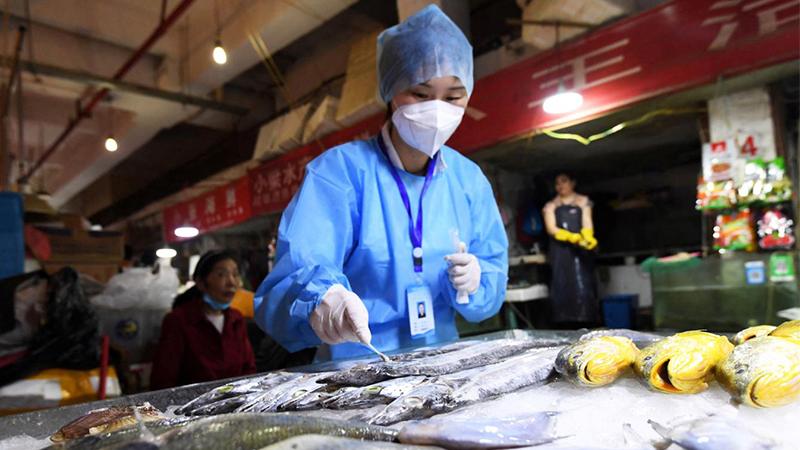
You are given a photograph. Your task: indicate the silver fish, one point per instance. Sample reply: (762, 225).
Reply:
(225, 405)
(312, 399)
(272, 399)
(713, 433)
(375, 371)
(320, 442)
(237, 388)
(482, 433)
(478, 355)
(448, 392)
(254, 431)
(374, 394)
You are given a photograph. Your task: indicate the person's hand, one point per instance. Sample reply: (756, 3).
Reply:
(588, 241)
(341, 317)
(567, 236)
(464, 271)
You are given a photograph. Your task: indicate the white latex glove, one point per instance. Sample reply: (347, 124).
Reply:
(464, 270)
(341, 317)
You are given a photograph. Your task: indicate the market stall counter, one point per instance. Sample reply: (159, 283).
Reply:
(500, 390)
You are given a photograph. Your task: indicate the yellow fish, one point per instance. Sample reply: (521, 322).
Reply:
(752, 332)
(790, 329)
(763, 372)
(596, 362)
(683, 363)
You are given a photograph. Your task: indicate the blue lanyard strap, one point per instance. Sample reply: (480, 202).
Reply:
(415, 230)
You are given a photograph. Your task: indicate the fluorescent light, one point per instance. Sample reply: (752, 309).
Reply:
(186, 232)
(218, 54)
(562, 102)
(166, 253)
(111, 144)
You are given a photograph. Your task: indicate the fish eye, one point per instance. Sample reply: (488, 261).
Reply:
(299, 393)
(413, 401)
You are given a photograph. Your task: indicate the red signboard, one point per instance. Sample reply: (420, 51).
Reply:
(675, 46)
(221, 207)
(274, 183)
(680, 44)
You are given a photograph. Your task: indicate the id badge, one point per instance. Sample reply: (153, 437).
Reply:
(420, 310)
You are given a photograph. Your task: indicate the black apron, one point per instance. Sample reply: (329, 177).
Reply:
(572, 290)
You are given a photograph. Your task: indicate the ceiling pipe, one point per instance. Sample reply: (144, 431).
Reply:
(85, 111)
(5, 151)
(124, 86)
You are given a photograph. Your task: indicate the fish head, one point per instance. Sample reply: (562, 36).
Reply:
(683, 363)
(422, 402)
(790, 329)
(764, 372)
(598, 361)
(752, 332)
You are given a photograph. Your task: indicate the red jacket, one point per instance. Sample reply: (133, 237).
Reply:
(191, 350)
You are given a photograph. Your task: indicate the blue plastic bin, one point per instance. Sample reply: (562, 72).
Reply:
(619, 311)
(12, 238)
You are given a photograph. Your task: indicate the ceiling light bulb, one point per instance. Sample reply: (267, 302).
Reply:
(186, 232)
(562, 102)
(219, 55)
(111, 144)
(166, 253)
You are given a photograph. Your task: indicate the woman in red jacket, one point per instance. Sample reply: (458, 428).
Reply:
(203, 339)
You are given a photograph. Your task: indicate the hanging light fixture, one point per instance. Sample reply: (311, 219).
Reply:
(111, 144)
(186, 232)
(166, 253)
(563, 101)
(218, 54)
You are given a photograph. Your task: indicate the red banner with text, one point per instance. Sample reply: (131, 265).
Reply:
(218, 208)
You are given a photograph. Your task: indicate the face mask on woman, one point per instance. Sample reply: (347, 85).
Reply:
(426, 126)
(215, 305)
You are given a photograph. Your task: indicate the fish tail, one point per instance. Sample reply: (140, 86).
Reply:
(660, 429)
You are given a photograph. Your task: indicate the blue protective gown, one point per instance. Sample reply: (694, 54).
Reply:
(347, 225)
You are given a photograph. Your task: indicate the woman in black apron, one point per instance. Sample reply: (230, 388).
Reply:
(568, 219)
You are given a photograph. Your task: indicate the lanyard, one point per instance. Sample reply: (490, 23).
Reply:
(415, 230)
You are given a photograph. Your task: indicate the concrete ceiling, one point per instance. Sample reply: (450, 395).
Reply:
(95, 38)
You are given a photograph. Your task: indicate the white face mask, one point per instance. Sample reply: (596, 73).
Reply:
(426, 126)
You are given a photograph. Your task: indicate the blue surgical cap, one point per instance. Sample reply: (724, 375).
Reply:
(426, 45)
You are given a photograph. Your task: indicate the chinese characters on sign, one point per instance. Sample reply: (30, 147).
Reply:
(221, 207)
(274, 183)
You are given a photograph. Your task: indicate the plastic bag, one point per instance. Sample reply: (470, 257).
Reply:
(775, 230)
(734, 232)
(68, 338)
(140, 288)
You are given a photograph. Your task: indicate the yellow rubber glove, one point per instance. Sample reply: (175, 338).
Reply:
(567, 236)
(588, 241)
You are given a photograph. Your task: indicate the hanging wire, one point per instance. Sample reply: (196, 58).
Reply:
(216, 19)
(274, 71)
(621, 126)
